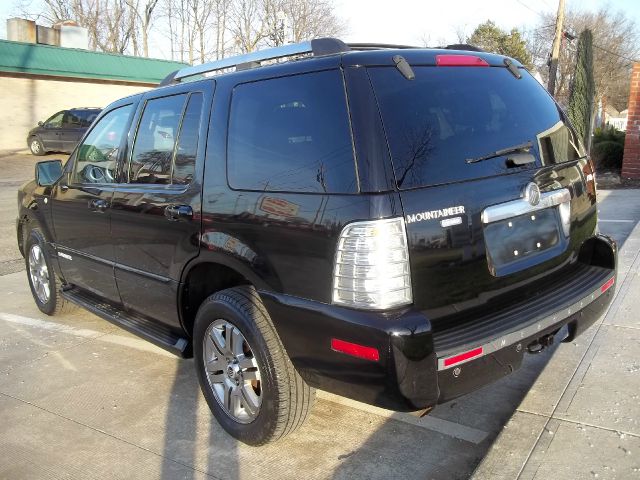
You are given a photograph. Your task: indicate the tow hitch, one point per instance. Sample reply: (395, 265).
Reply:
(541, 343)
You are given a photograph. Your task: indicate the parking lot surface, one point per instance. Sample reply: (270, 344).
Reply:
(81, 398)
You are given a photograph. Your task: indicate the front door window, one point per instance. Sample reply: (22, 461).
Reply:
(98, 155)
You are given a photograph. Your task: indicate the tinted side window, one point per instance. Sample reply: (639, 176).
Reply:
(71, 120)
(97, 156)
(153, 148)
(185, 160)
(291, 134)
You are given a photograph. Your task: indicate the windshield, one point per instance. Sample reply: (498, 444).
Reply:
(448, 115)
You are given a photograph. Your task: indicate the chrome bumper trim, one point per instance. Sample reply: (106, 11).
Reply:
(528, 331)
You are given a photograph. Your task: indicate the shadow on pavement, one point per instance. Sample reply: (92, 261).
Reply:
(192, 435)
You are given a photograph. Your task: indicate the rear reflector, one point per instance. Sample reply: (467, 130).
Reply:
(608, 285)
(355, 350)
(460, 61)
(461, 357)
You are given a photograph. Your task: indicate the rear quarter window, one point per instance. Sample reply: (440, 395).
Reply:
(291, 134)
(448, 115)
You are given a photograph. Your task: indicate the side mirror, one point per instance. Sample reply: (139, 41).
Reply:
(40, 123)
(48, 172)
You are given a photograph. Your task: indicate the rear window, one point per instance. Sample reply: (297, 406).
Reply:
(291, 134)
(448, 115)
(82, 118)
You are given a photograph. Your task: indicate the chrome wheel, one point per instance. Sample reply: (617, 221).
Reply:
(35, 146)
(39, 274)
(232, 371)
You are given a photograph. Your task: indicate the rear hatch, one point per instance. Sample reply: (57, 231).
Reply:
(466, 142)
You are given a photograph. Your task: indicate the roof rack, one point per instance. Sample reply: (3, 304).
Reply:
(377, 46)
(316, 47)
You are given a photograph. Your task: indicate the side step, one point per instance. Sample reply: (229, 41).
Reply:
(156, 333)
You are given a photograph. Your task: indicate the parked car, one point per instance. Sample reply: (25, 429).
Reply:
(62, 131)
(395, 225)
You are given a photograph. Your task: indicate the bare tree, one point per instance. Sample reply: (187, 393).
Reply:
(221, 16)
(246, 24)
(616, 44)
(312, 19)
(142, 16)
(112, 26)
(197, 30)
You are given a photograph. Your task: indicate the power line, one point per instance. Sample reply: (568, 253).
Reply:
(616, 54)
(595, 45)
(529, 8)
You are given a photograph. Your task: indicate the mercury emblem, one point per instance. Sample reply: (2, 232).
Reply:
(532, 194)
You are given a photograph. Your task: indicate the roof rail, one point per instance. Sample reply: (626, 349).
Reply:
(317, 47)
(377, 46)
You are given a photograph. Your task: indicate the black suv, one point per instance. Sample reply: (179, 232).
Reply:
(62, 131)
(395, 225)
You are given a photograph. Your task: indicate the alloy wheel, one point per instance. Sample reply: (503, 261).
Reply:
(39, 274)
(35, 146)
(232, 371)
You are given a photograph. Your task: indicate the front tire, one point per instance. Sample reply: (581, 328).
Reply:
(45, 286)
(36, 146)
(245, 375)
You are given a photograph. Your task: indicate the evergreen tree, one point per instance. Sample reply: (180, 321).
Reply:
(492, 39)
(583, 88)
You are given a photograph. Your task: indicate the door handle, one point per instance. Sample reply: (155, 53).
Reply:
(98, 205)
(178, 212)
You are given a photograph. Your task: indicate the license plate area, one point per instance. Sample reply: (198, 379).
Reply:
(523, 241)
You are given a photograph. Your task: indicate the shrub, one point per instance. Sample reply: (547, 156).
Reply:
(608, 148)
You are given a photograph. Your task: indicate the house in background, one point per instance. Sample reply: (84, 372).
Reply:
(617, 120)
(39, 76)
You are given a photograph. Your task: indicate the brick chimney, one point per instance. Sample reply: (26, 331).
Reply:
(631, 159)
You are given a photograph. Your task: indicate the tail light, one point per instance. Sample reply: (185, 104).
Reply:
(372, 265)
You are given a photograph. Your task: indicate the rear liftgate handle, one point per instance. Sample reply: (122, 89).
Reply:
(178, 212)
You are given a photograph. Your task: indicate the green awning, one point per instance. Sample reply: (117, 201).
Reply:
(37, 59)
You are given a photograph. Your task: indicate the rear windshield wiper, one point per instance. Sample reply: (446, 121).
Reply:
(522, 148)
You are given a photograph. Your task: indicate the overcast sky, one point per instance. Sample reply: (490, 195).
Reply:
(412, 21)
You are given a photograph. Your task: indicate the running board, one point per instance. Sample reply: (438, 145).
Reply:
(156, 333)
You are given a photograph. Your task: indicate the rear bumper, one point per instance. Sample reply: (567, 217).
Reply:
(413, 371)
(504, 355)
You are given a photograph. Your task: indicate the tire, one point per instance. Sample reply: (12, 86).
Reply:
(45, 286)
(285, 400)
(36, 146)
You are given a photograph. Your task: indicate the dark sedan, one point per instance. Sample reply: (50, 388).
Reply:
(62, 131)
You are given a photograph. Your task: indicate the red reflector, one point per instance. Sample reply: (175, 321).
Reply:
(460, 61)
(355, 350)
(608, 285)
(462, 357)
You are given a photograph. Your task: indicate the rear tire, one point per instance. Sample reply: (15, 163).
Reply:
(282, 397)
(46, 287)
(36, 146)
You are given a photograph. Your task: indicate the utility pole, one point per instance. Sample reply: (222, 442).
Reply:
(555, 50)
